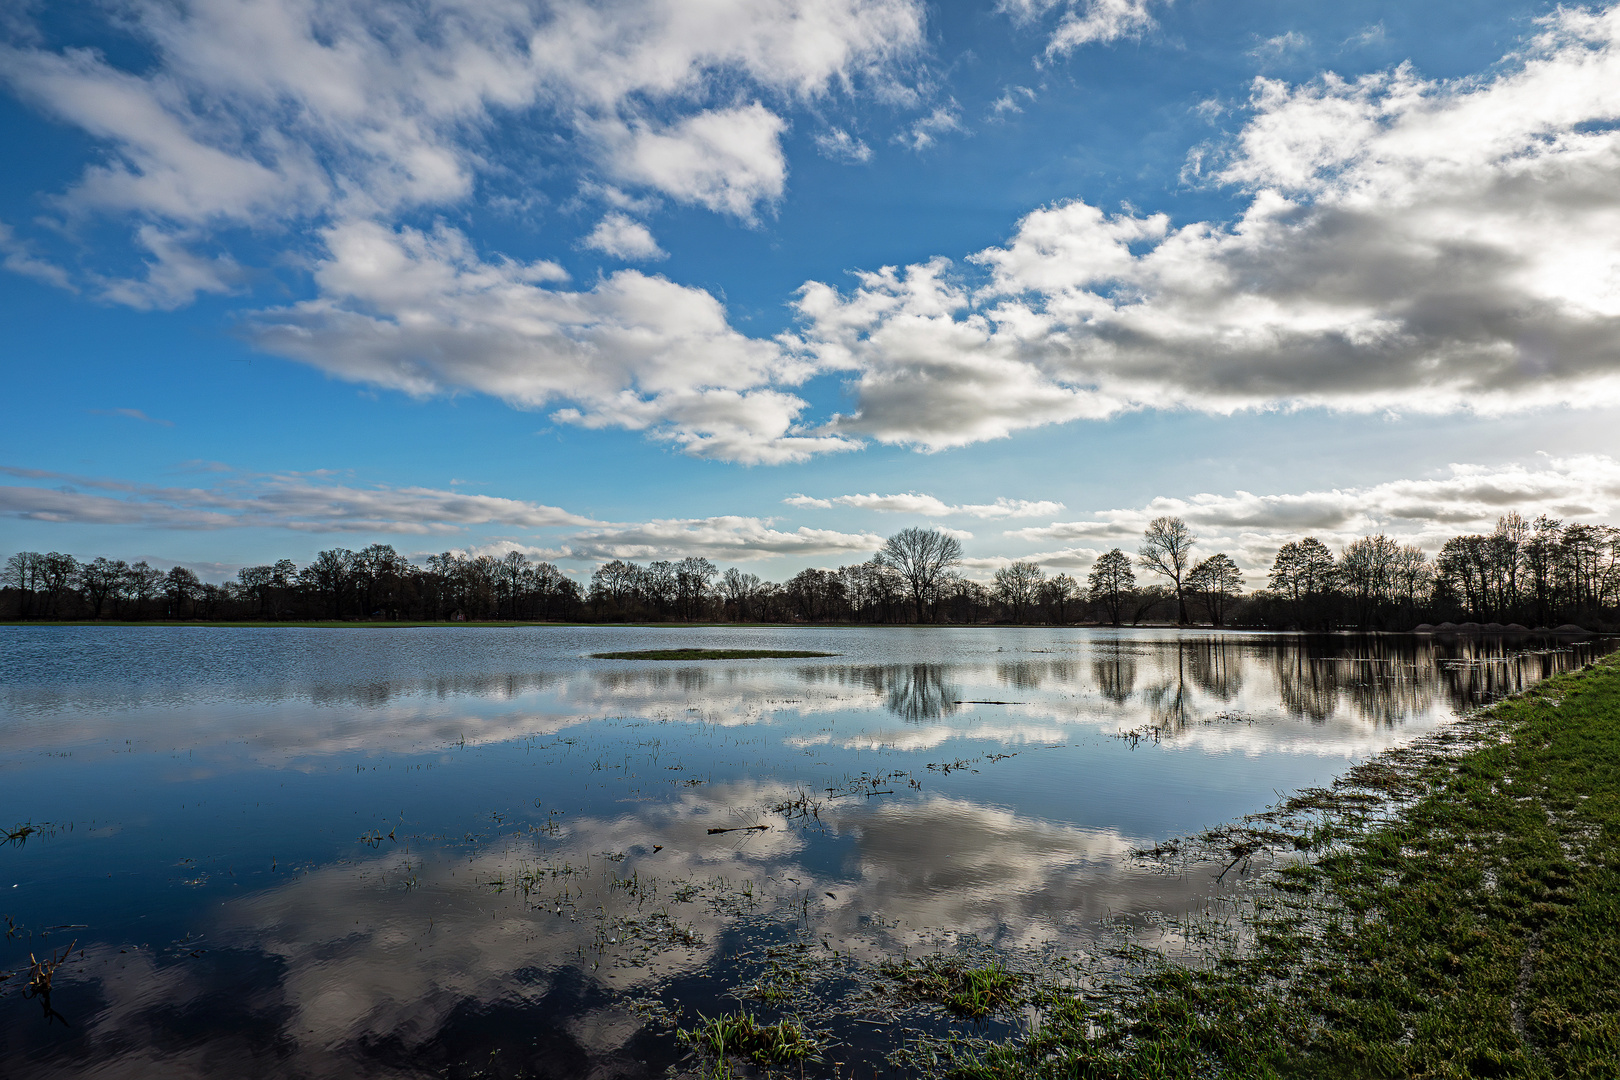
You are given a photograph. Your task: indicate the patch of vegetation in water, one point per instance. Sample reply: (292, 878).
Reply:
(973, 992)
(1468, 927)
(742, 1035)
(709, 654)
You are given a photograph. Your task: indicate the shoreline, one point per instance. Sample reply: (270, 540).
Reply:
(1454, 911)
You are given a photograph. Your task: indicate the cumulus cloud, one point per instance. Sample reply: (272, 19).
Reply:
(259, 111)
(623, 237)
(295, 501)
(423, 313)
(1411, 245)
(729, 160)
(724, 537)
(929, 506)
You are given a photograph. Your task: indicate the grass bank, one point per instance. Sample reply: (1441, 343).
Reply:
(1457, 914)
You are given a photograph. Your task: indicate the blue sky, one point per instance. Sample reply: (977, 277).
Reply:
(766, 280)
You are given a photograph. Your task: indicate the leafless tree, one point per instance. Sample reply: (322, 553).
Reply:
(1017, 586)
(1216, 578)
(1110, 582)
(1166, 550)
(1058, 593)
(924, 559)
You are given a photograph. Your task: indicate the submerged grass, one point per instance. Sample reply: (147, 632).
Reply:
(741, 1035)
(973, 992)
(1473, 933)
(709, 654)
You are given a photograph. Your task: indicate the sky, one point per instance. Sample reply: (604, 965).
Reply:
(766, 281)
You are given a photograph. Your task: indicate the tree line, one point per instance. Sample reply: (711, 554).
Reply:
(1535, 573)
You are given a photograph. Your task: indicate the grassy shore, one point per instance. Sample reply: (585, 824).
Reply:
(1457, 914)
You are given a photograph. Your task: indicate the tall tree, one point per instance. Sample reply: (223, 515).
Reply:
(180, 587)
(143, 582)
(924, 559)
(692, 578)
(97, 579)
(330, 577)
(1017, 586)
(1059, 593)
(1110, 582)
(1217, 579)
(56, 574)
(24, 572)
(1166, 550)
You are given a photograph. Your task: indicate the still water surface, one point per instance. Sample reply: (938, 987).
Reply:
(475, 851)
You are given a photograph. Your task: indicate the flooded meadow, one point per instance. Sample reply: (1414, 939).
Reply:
(472, 851)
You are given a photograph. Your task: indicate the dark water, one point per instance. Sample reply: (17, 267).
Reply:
(475, 852)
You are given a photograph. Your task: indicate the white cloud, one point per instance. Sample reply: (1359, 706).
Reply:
(725, 537)
(624, 238)
(729, 160)
(1426, 512)
(1281, 44)
(925, 132)
(174, 275)
(1408, 245)
(929, 506)
(1084, 22)
(270, 111)
(424, 314)
(21, 257)
(840, 145)
(1010, 100)
(299, 502)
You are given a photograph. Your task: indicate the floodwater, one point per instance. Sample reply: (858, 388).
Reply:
(471, 851)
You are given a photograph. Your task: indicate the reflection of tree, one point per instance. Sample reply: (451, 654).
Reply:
(1384, 678)
(1114, 671)
(1167, 703)
(916, 692)
(381, 692)
(1215, 664)
(1021, 674)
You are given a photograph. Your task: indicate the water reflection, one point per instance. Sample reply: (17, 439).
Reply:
(424, 853)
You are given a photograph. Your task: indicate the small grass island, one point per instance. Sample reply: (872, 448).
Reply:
(710, 654)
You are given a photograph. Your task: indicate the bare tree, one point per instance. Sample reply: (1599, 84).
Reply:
(181, 586)
(1017, 586)
(1217, 578)
(1166, 550)
(1057, 593)
(692, 577)
(143, 583)
(924, 559)
(96, 579)
(1110, 582)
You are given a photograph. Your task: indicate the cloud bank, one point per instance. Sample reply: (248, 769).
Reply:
(1411, 245)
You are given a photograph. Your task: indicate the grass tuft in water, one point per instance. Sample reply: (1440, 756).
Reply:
(742, 1035)
(971, 992)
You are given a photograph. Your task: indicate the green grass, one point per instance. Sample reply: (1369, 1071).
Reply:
(1477, 934)
(741, 1035)
(971, 992)
(708, 654)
